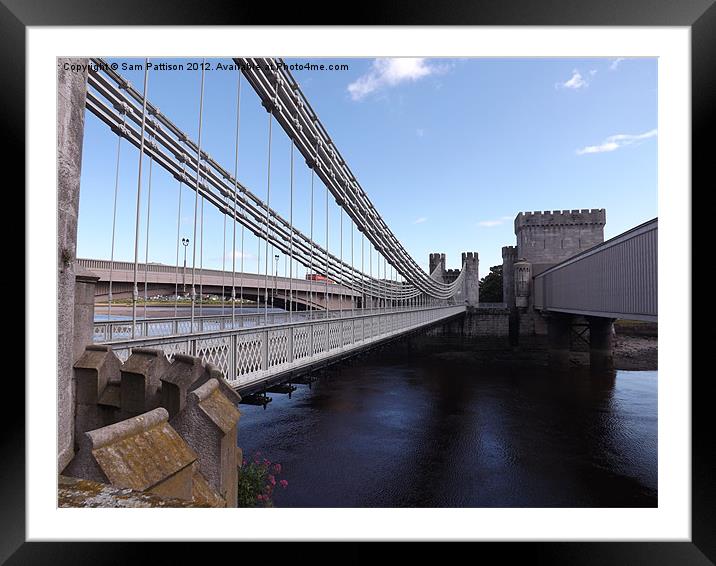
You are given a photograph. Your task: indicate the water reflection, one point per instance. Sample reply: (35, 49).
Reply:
(424, 423)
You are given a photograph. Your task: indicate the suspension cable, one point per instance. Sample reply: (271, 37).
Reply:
(268, 219)
(196, 200)
(201, 259)
(327, 248)
(114, 221)
(176, 274)
(310, 269)
(149, 210)
(233, 241)
(135, 290)
(213, 181)
(370, 262)
(223, 265)
(290, 274)
(250, 204)
(340, 304)
(362, 268)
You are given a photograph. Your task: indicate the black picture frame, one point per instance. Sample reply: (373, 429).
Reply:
(699, 15)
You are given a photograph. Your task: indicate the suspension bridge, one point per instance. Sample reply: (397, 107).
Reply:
(154, 342)
(344, 302)
(333, 304)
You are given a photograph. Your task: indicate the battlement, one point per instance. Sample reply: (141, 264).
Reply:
(470, 256)
(509, 252)
(585, 216)
(550, 236)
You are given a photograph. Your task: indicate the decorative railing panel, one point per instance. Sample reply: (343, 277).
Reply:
(111, 331)
(250, 355)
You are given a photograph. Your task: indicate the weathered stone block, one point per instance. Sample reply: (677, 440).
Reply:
(91, 417)
(180, 485)
(203, 494)
(85, 282)
(143, 453)
(224, 387)
(179, 378)
(141, 380)
(487, 322)
(74, 492)
(96, 368)
(208, 423)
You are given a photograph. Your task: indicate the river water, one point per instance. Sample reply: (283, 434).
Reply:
(424, 423)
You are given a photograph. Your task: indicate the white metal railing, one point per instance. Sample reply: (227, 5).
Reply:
(112, 330)
(249, 355)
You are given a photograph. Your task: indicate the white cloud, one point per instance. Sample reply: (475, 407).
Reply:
(420, 220)
(497, 222)
(615, 63)
(613, 143)
(389, 72)
(576, 81)
(420, 132)
(593, 72)
(490, 223)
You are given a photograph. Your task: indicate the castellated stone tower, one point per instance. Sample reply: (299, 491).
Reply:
(549, 237)
(435, 260)
(471, 281)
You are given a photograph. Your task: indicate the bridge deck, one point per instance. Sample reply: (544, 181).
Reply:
(616, 279)
(251, 356)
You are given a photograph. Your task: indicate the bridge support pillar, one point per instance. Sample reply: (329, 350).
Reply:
(558, 328)
(85, 283)
(71, 94)
(601, 343)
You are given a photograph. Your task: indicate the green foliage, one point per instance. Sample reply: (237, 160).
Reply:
(491, 286)
(257, 480)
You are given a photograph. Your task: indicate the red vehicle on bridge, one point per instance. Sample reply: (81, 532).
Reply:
(318, 277)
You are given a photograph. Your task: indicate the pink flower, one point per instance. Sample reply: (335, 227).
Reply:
(272, 479)
(260, 497)
(277, 468)
(283, 483)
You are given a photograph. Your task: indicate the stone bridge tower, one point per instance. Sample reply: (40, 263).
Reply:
(543, 240)
(549, 237)
(469, 293)
(436, 259)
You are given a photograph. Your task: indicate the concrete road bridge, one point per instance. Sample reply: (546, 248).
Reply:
(170, 280)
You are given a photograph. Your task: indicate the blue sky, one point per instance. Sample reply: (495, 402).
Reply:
(448, 150)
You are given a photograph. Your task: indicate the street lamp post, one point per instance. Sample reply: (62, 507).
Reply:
(275, 274)
(185, 243)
